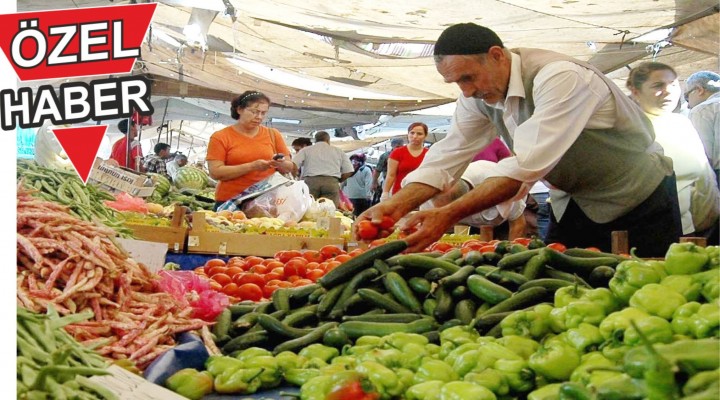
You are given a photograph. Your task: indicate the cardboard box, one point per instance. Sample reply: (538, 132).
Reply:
(175, 235)
(121, 179)
(245, 244)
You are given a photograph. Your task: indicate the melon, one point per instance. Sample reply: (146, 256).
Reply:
(161, 183)
(191, 178)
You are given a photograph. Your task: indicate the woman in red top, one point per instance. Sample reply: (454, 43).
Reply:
(241, 154)
(405, 159)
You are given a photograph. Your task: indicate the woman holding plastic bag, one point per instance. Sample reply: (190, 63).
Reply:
(246, 152)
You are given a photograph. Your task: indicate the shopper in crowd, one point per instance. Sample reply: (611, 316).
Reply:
(656, 89)
(567, 124)
(380, 171)
(507, 219)
(702, 92)
(156, 162)
(119, 148)
(246, 152)
(358, 187)
(323, 168)
(179, 161)
(405, 159)
(300, 143)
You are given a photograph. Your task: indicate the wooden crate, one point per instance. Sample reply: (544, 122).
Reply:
(174, 235)
(242, 244)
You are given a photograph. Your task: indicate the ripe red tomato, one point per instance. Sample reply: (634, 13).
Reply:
(342, 258)
(557, 246)
(215, 262)
(273, 275)
(231, 289)
(329, 251)
(221, 278)
(367, 230)
(302, 282)
(250, 278)
(295, 267)
(386, 223)
(313, 255)
(215, 270)
(285, 255)
(269, 289)
(253, 260)
(441, 246)
(250, 291)
(315, 274)
(232, 271)
(259, 269)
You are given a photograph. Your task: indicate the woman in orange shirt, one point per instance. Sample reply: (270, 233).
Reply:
(242, 154)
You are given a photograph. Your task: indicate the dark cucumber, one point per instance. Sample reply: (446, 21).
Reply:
(327, 302)
(222, 323)
(356, 329)
(577, 265)
(378, 300)
(444, 305)
(486, 290)
(517, 260)
(300, 317)
(401, 318)
(492, 257)
(281, 299)
(337, 310)
(398, 287)
(474, 257)
(300, 294)
(502, 277)
(458, 278)
(419, 285)
(579, 252)
(547, 283)
(465, 311)
(240, 309)
(555, 274)
(349, 268)
(459, 291)
(486, 322)
(242, 342)
(519, 300)
(393, 261)
(534, 266)
(315, 336)
(381, 266)
(425, 263)
(436, 274)
(429, 306)
(600, 276)
(274, 326)
(451, 255)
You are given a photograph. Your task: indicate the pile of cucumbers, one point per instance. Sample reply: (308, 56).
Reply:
(382, 291)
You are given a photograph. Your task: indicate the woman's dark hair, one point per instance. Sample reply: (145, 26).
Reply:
(245, 99)
(414, 124)
(641, 73)
(302, 141)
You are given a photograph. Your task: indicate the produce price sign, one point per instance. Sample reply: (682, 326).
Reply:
(66, 44)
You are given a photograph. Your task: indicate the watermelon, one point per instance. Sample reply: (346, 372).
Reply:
(162, 184)
(191, 178)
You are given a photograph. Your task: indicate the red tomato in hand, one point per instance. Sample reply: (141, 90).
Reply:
(367, 230)
(386, 223)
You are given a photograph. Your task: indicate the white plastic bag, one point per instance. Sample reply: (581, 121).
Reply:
(288, 202)
(320, 208)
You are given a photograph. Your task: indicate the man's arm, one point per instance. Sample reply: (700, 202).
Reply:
(432, 224)
(517, 228)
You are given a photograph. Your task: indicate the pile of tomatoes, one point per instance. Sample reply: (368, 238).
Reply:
(254, 278)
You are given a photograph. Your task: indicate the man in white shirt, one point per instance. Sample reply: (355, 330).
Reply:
(173, 166)
(567, 124)
(323, 168)
(702, 92)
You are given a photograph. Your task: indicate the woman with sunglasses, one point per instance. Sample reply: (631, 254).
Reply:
(246, 152)
(654, 86)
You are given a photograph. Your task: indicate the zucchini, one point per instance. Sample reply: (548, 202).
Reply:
(356, 329)
(547, 283)
(600, 276)
(517, 260)
(340, 304)
(419, 285)
(315, 336)
(327, 302)
(487, 291)
(502, 277)
(349, 268)
(585, 253)
(274, 326)
(519, 300)
(457, 278)
(381, 301)
(401, 318)
(444, 305)
(436, 274)
(577, 265)
(396, 285)
(465, 311)
(534, 266)
(425, 263)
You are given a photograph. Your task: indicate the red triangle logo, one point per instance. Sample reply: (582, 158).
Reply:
(81, 146)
